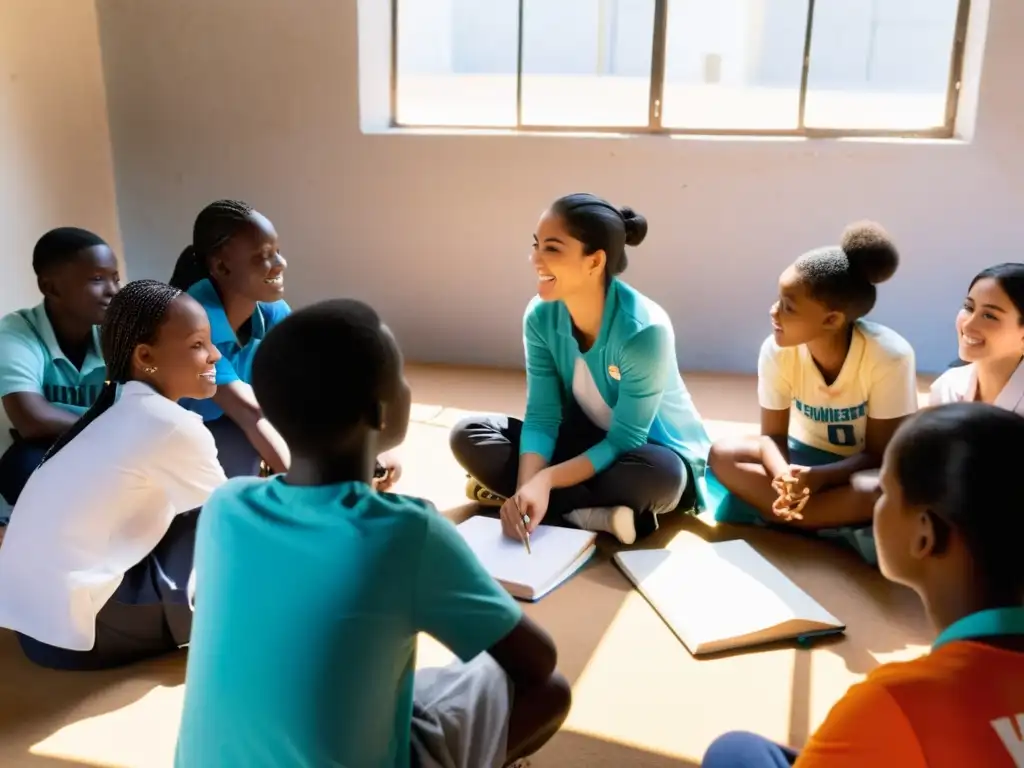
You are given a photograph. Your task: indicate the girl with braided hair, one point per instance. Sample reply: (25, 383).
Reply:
(101, 542)
(235, 270)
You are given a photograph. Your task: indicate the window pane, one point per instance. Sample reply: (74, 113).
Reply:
(587, 62)
(457, 62)
(733, 64)
(881, 65)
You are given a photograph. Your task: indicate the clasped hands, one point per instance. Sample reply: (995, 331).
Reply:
(795, 487)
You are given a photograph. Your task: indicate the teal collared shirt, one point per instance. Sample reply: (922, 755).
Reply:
(31, 360)
(235, 363)
(995, 622)
(628, 382)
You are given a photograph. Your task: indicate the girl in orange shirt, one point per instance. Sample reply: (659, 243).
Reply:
(948, 523)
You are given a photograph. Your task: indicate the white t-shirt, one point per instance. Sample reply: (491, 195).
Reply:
(878, 380)
(98, 507)
(961, 383)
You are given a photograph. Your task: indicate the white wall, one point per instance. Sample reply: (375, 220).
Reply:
(55, 150)
(55, 156)
(259, 99)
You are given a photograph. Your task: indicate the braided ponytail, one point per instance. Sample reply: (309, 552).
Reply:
(215, 225)
(134, 317)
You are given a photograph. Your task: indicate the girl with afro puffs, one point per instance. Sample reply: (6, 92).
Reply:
(833, 387)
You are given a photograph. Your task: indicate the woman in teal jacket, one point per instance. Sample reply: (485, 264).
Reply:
(611, 438)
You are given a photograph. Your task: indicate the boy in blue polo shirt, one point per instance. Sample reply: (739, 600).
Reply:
(311, 589)
(51, 367)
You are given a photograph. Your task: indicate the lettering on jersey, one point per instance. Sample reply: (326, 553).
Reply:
(83, 396)
(839, 421)
(1011, 732)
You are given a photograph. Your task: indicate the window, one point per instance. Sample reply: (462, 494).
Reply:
(777, 67)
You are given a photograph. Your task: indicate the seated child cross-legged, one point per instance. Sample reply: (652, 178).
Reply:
(832, 387)
(947, 525)
(311, 588)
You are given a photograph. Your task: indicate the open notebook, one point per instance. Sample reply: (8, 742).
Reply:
(724, 595)
(557, 554)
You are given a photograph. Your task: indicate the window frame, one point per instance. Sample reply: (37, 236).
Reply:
(654, 126)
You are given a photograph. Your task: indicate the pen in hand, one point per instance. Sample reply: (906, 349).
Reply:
(526, 532)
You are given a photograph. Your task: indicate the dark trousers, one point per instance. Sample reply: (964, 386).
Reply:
(147, 616)
(740, 749)
(18, 463)
(234, 451)
(650, 480)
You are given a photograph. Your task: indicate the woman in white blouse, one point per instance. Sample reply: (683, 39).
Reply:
(97, 557)
(990, 334)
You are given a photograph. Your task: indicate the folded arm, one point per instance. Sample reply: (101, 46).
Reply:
(21, 387)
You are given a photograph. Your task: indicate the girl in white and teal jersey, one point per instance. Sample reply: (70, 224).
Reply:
(611, 438)
(833, 387)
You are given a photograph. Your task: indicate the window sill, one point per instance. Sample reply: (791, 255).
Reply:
(583, 133)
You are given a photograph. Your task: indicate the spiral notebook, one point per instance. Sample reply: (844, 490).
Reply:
(724, 595)
(556, 554)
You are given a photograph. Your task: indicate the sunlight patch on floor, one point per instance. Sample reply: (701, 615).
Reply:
(131, 728)
(641, 683)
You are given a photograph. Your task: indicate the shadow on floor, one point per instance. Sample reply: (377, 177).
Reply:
(578, 750)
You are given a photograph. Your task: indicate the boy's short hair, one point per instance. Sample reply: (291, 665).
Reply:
(323, 370)
(61, 245)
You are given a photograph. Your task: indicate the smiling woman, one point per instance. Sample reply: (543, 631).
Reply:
(611, 438)
(101, 539)
(990, 336)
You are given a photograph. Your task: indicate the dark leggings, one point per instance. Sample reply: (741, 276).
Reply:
(17, 464)
(234, 451)
(740, 749)
(147, 616)
(650, 480)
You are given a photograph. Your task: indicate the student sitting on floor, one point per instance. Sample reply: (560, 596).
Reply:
(611, 438)
(99, 550)
(235, 269)
(51, 369)
(948, 526)
(311, 588)
(833, 388)
(990, 334)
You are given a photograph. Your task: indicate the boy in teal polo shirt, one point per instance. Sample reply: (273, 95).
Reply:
(51, 367)
(311, 588)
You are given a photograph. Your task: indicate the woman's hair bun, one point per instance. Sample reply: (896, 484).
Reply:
(870, 251)
(636, 226)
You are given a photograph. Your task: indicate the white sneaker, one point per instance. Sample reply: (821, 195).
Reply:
(618, 521)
